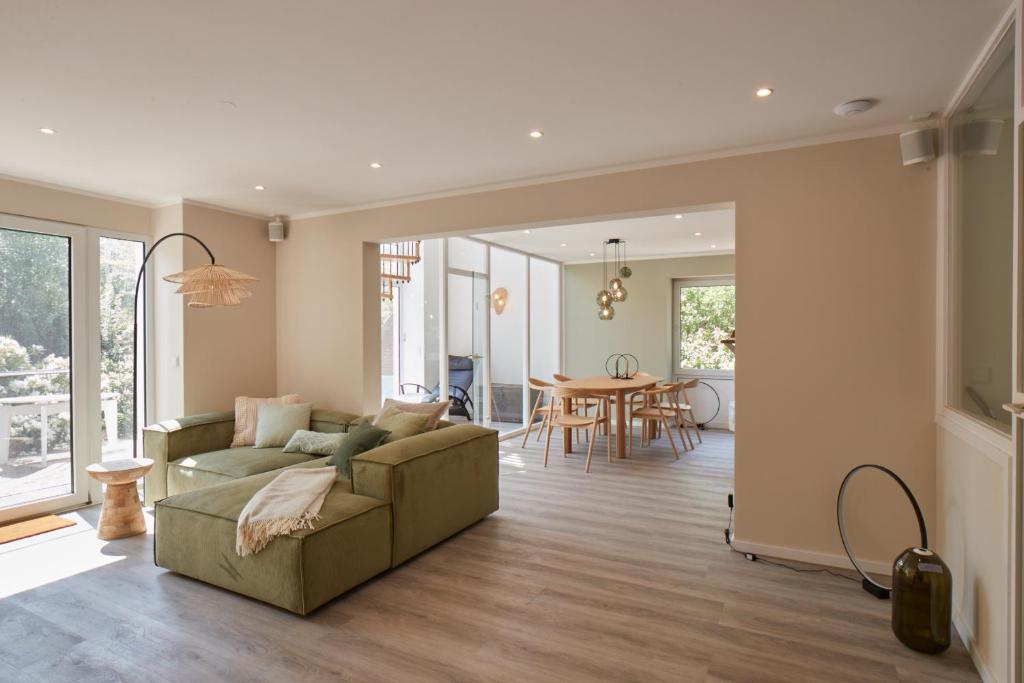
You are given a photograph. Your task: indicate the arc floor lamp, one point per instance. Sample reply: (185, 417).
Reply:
(207, 286)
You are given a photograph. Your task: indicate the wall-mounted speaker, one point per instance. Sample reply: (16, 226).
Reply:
(917, 146)
(276, 231)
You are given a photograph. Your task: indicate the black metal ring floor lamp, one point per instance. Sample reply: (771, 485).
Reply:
(207, 286)
(870, 585)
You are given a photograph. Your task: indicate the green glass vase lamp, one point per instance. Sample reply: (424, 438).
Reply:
(922, 585)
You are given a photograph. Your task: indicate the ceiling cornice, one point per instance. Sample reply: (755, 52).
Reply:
(80, 192)
(877, 131)
(237, 212)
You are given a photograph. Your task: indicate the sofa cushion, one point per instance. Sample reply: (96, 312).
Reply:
(314, 443)
(362, 438)
(277, 423)
(402, 425)
(215, 467)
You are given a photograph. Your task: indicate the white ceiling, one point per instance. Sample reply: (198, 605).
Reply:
(649, 237)
(204, 100)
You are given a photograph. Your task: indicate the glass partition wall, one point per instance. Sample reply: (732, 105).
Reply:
(473, 323)
(981, 249)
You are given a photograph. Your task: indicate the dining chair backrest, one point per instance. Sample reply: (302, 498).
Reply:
(562, 378)
(538, 384)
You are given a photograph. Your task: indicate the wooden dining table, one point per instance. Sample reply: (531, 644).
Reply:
(603, 385)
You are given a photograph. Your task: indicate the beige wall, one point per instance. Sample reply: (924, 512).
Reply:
(835, 262)
(642, 325)
(230, 351)
(36, 201)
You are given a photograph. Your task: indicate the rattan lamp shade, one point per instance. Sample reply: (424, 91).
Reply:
(212, 285)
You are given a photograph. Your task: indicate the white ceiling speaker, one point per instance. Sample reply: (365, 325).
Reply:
(917, 146)
(276, 230)
(979, 138)
(853, 107)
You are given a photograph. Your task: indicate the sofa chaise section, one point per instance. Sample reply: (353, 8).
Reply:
(348, 544)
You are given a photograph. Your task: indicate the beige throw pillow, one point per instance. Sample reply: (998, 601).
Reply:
(434, 410)
(402, 424)
(247, 416)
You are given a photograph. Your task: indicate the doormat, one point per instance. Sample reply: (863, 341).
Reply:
(32, 527)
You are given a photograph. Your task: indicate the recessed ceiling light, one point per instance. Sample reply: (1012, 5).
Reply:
(763, 92)
(593, 254)
(259, 188)
(712, 246)
(679, 216)
(376, 164)
(563, 244)
(47, 131)
(526, 232)
(535, 134)
(696, 234)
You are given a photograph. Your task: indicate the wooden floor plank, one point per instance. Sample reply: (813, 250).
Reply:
(619, 575)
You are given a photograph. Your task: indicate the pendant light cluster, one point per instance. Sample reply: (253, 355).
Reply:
(616, 292)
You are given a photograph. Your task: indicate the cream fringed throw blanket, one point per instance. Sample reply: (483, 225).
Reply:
(290, 502)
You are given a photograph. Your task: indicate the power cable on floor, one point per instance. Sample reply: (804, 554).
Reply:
(756, 558)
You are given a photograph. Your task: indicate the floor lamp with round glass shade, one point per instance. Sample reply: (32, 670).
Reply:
(207, 286)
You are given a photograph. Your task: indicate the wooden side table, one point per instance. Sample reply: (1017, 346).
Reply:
(121, 515)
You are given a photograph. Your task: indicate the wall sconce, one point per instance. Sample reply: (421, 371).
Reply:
(499, 298)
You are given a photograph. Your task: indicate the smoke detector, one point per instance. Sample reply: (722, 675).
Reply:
(853, 107)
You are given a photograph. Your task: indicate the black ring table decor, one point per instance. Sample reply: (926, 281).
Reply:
(624, 368)
(870, 585)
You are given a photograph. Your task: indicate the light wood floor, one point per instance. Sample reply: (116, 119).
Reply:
(621, 575)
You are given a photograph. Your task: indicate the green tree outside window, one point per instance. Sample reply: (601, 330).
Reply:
(707, 314)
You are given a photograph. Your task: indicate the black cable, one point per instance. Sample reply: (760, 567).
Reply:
(798, 570)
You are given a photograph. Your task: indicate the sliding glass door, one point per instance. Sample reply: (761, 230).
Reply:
(65, 359)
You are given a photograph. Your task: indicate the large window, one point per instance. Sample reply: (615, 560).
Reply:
(981, 244)
(705, 313)
(66, 351)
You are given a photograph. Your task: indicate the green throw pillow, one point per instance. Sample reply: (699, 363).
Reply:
(277, 423)
(402, 424)
(359, 440)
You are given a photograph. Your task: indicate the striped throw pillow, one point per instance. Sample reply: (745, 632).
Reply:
(246, 411)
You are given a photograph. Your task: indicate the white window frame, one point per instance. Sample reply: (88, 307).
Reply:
(677, 285)
(85, 370)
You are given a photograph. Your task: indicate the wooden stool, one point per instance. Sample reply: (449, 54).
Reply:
(121, 515)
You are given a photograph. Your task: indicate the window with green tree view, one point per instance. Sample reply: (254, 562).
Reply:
(705, 312)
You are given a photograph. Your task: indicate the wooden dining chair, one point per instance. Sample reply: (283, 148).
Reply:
(680, 409)
(582, 404)
(559, 419)
(686, 414)
(652, 406)
(539, 408)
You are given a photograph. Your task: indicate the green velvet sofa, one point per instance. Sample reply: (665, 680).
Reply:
(402, 498)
